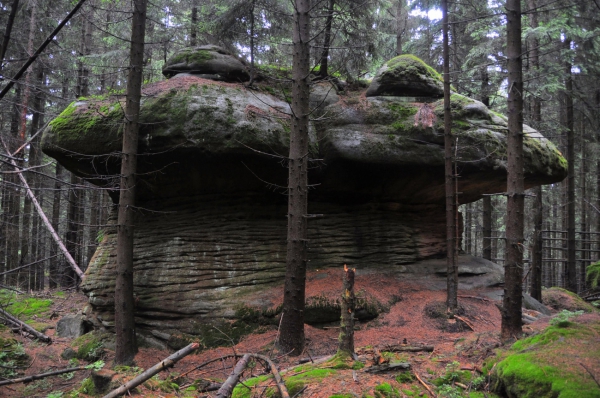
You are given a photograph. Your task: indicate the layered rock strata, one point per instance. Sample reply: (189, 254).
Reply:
(211, 226)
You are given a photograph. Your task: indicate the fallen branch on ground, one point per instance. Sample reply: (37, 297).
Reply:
(162, 365)
(41, 376)
(386, 367)
(477, 298)
(23, 326)
(465, 321)
(424, 385)
(227, 387)
(407, 348)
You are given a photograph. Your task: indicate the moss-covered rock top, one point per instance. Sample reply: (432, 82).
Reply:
(406, 76)
(209, 61)
(554, 364)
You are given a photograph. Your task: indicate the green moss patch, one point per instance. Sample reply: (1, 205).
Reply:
(88, 347)
(23, 306)
(550, 364)
(295, 380)
(562, 299)
(408, 64)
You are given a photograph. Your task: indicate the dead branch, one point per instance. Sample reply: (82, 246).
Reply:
(42, 215)
(280, 385)
(424, 385)
(227, 387)
(162, 365)
(407, 348)
(476, 298)
(591, 374)
(465, 321)
(386, 367)
(40, 376)
(23, 326)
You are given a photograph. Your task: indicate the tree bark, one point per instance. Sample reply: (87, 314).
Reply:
(536, 118)
(126, 346)
(162, 365)
(8, 30)
(324, 65)
(194, 23)
(513, 268)
(292, 325)
(229, 384)
(400, 25)
(451, 254)
(348, 304)
(571, 266)
(487, 227)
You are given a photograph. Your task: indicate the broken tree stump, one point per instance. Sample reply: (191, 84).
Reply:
(348, 305)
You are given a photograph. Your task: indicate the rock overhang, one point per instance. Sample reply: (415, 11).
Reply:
(213, 154)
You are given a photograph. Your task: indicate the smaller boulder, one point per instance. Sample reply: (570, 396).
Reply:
(209, 61)
(72, 326)
(562, 299)
(406, 76)
(532, 304)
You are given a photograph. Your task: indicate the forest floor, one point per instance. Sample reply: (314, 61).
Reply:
(407, 323)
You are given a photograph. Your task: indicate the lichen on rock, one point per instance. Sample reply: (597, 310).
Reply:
(212, 172)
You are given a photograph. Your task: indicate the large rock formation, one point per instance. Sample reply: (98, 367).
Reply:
(211, 226)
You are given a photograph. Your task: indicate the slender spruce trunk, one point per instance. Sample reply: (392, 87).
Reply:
(126, 346)
(451, 252)
(291, 337)
(324, 65)
(513, 268)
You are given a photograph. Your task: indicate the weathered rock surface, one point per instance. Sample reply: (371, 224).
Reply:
(207, 61)
(72, 326)
(211, 172)
(406, 76)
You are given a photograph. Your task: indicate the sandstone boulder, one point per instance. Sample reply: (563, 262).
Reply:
(406, 76)
(207, 61)
(211, 227)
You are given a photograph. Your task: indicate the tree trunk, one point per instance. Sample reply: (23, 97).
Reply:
(7, 31)
(487, 227)
(13, 214)
(346, 339)
(54, 278)
(292, 325)
(536, 118)
(323, 68)
(513, 269)
(451, 255)
(400, 25)
(126, 346)
(194, 23)
(571, 266)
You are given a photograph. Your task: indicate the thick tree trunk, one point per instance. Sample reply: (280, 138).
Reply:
(513, 269)
(451, 254)
(292, 325)
(571, 266)
(126, 346)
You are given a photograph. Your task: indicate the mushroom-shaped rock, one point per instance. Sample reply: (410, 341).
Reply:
(210, 232)
(208, 61)
(407, 76)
